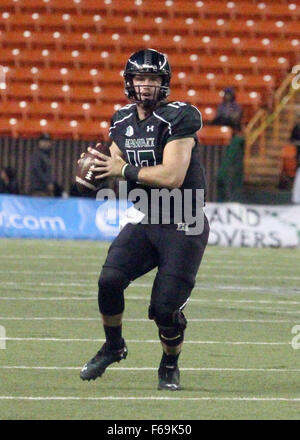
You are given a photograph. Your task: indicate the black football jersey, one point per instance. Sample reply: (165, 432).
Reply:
(142, 142)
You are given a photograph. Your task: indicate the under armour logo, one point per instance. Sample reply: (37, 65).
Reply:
(150, 128)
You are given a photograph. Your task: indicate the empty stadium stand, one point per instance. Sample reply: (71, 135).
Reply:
(63, 60)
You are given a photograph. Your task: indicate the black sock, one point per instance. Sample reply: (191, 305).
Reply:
(114, 338)
(169, 359)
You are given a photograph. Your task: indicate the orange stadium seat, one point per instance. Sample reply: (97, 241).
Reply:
(122, 7)
(65, 58)
(196, 96)
(92, 130)
(42, 109)
(267, 28)
(164, 9)
(18, 91)
(214, 9)
(210, 135)
(116, 60)
(62, 58)
(89, 6)
(121, 24)
(32, 6)
(71, 110)
(54, 74)
(44, 21)
(65, 5)
(212, 98)
(13, 109)
(9, 57)
(53, 92)
(74, 76)
(247, 9)
(265, 45)
(227, 9)
(34, 127)
(228, 63)
(9, 5)
(219, 81)
(55, 110)
(19, 74)
(280, 11)
(65, 93)
(86, 111)
(169, 43)
(211, 8)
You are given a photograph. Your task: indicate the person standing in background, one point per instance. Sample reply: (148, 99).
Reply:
(8, 181)
(41, 180)
(229, 112)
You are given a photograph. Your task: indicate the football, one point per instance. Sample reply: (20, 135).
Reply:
(85, 177)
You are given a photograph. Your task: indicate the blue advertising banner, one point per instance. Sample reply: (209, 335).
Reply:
(56, 218)
(231, 224)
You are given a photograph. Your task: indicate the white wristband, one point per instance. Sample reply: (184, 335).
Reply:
(123, 169)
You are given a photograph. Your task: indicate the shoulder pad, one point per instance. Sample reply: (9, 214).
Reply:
(176, 111)
(121, 115)
(123, 111)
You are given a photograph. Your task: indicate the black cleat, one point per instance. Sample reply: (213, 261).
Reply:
(98, 364)
(169, 378)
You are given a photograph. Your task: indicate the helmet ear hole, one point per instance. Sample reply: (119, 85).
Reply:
(147, 61)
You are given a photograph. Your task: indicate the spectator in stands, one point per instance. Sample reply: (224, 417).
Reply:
(41, 179)
(231, 172)
(8, 181)
(229, 112)
(295, 138)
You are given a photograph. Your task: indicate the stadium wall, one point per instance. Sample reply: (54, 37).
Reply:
(16, 152)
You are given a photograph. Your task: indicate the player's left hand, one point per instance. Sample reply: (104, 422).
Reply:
(107, 166)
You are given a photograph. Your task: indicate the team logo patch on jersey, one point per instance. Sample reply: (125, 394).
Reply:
(129, 131)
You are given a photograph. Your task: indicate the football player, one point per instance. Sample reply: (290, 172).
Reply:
(154, 145)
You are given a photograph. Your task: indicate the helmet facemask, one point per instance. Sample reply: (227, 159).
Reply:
(157, 93)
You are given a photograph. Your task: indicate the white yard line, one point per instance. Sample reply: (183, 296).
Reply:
(142, 298)
(50, 298)
(28, 367)
(211, 262)
(144, 341)
(200, 277)
(201, 286)
(169, 398)
(68, 318)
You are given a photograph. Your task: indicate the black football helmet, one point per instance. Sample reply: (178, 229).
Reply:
(147, 61)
